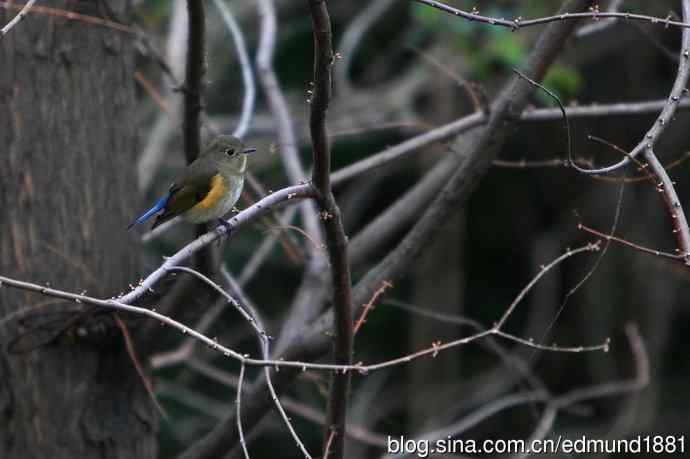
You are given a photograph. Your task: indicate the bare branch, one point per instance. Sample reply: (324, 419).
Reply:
(469, 122)
(194, 78)
(519, 23)
(664, 119)
(474, 162)
(293, 405)
(266, 353)
(385, 285)
(246, 66)
(238, 402)
(610, 237)
(598, 26)
(69, 15)
(336, 241)
(17, 18)
(278, 105)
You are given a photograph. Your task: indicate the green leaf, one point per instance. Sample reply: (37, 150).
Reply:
(564, 80)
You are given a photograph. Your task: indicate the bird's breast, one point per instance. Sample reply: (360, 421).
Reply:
(222, 196)
(215, 195)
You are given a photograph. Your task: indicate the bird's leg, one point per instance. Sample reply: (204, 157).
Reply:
(228, 230)
(226, 225)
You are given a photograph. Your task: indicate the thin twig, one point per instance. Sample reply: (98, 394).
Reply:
(641, 166)
(249, 99)
(69, 15)
(152, 92)
(535, 164)
(519, 23)
(385, 285)
(329, 442)
(553, 403)
(264, 344)
(466, 123)
(545, 269)
(238, 403)
(590, 272)
(359, 367)
(639, 382)
(610, 237)
(598, 26)
(260, 332)
(473, 90)
(296, 407)
(566, 121)
(131, 351)
(17, 18)
(671, 165)
(663, 119)
(315, 246)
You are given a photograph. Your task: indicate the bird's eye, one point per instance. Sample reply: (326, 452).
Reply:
(230, 152)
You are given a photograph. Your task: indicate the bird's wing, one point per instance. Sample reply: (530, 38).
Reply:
(186, 192)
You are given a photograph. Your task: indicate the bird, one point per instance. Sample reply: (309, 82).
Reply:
(208, 188)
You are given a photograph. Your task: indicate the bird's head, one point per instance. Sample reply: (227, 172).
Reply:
(229, 152)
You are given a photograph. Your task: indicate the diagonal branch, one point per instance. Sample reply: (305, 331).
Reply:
(474, 162)
(17, 19)
(252, 212)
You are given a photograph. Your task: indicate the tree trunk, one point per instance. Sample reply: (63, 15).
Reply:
(67, 192)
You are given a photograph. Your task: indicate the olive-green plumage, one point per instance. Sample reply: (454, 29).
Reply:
(209, 187)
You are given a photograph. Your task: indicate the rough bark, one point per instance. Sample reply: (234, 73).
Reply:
(67, 190)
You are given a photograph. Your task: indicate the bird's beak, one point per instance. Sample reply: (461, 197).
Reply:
(248, 151)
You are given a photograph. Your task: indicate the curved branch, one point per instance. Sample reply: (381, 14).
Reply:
(665, 117)
(246, 66)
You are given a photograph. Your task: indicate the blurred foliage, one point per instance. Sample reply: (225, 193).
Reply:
(488, 50)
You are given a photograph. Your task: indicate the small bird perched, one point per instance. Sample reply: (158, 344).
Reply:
(208, 188)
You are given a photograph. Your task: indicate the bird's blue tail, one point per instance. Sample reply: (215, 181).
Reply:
(160, 205)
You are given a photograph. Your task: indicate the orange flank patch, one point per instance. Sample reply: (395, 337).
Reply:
(215, 194)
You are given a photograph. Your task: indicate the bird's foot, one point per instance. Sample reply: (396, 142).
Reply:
(228, 230)
(228, 227)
